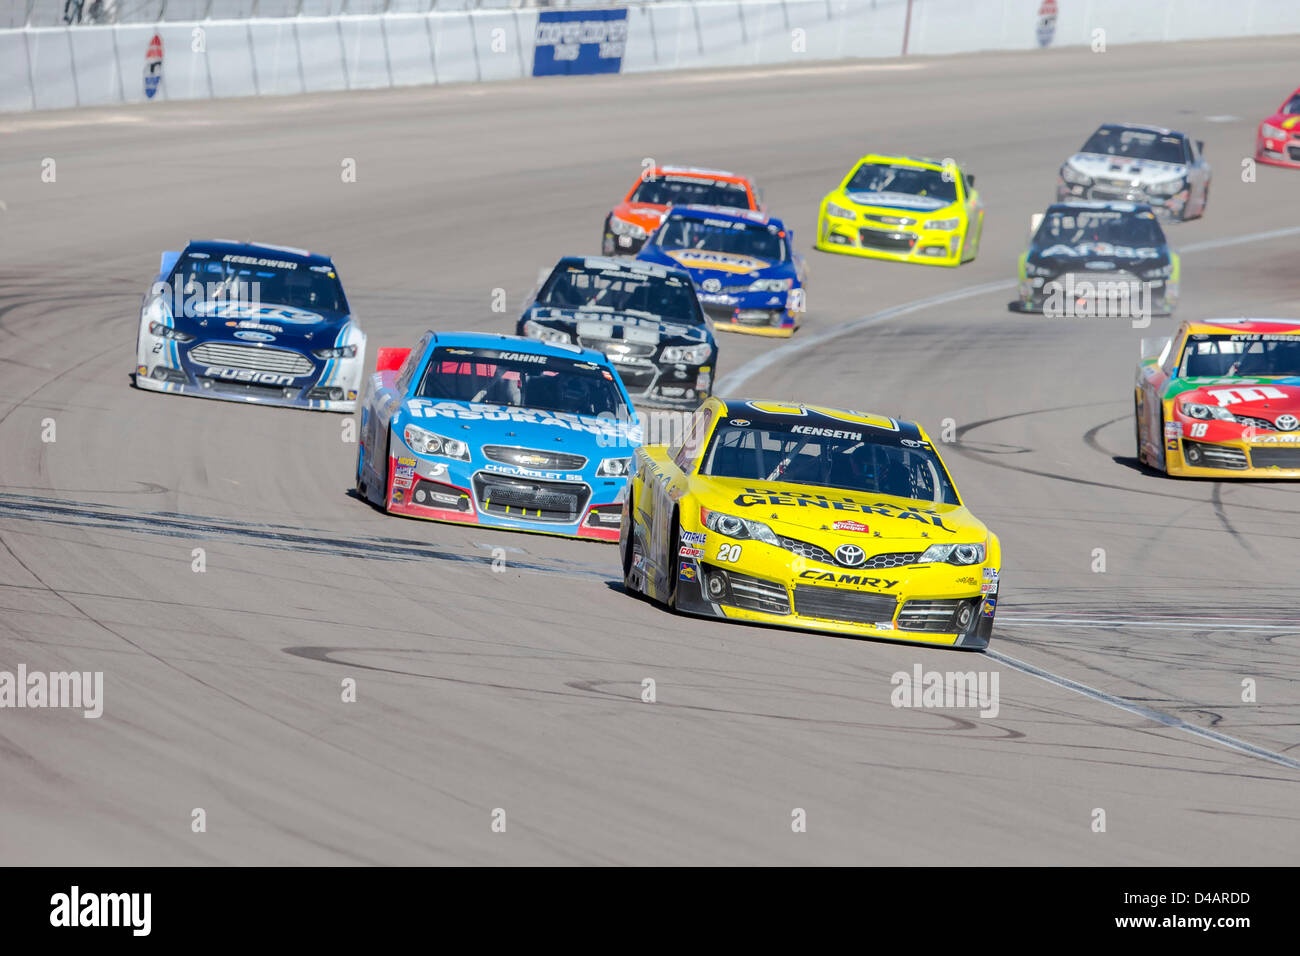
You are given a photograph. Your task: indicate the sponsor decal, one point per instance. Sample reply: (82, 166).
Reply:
(578, 42)
(406, 461)
(687, 572)
(1173, 429)
(255, 261)
(990, 574)
(990, 587)
(256, 326)
(695, 539)
(1171, 444)
(711, 285)
(1289, 439)
(850, 525)
(248, 375)
(689, 552)
(400, 482)
(1087, 250)
(739, 422)
(1257, 393)
(720, 261)
(471, 411)
(398, 494)
(825, 432)
(911, 443)
(153, 66)
(990, 604)
(1286, 423)
(799, 499)
(521, 357)
(858, 579)
(254, 336)
(1045, 26)
(967, 580)
(256, 315)
(850, 555)
(884, 625)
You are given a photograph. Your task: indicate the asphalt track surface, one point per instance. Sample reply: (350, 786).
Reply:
(520, 689)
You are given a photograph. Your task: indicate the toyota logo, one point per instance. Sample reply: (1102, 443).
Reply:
(850, 555)
(1286, 423)
(712, 285)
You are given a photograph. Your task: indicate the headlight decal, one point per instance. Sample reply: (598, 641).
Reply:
(424, 442)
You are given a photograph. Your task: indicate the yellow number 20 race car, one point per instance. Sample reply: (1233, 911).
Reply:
(813, 518)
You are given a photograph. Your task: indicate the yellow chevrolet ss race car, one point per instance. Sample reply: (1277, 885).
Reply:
(907, 210)
(809, 517)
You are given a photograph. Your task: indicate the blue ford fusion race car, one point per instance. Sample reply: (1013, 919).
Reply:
(500, 431)
(742, 262)
(250, 322)
(646, 319)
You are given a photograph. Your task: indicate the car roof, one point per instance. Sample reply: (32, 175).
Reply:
(1144, 128)
(515, 343)
(1275, 326)
(698, 172)
(257, 250)
(629, 266)
(922, 161)
(1115, 206)
(818, 416)
(729, 212)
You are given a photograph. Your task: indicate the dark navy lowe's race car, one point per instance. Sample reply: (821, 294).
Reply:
(646, 319)
(250, 322)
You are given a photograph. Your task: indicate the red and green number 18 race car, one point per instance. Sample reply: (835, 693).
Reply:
(1221, 399)
(813, 518)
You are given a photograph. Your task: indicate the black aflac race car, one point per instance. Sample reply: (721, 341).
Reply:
(645, 318)
(1097, 259)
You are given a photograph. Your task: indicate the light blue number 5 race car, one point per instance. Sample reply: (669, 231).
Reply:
(500, 431)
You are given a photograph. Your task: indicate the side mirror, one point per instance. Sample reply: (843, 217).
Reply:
(1155, 347)
(970, 180)
(1200, 146)
(168, 262)
(1035, 221)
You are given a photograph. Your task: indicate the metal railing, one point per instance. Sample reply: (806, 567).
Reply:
(53, 13)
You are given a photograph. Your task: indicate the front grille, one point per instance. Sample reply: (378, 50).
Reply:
(890, 220)
(1294, 152)
(1275, 457)
(535, 500)
(813, 552)
(534, 458)
(251, 357)
(1201, 455)
(637, 378)
(887, 242)
(617, 348)
(756, 594)
(1263, 423)
(836, 604)
(935, 617)
(719, 313)
(246, 388)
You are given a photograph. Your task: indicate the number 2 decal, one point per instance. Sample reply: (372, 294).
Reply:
(729, 552)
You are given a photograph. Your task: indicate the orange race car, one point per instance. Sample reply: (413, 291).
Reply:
(658, 188)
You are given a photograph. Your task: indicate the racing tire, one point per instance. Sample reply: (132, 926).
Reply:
(1137, 434)
(607, 241)
(361, 470)
(627, 542)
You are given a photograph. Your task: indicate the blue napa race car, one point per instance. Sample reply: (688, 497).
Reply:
(500, 431)
(250, 322)
(743, 264)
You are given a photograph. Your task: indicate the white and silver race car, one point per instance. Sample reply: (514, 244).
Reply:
(1163, 168)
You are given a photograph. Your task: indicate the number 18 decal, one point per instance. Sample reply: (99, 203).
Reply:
(1199, 429)
(729, 552)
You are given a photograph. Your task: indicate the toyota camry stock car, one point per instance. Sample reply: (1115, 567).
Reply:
(813, 518)
(1221, 399)
(904, 209)
(645, 319)
(745, 269)
(1097, 259)
(1148, 164)
(1278, 140)
(500, 431)
(250, 322)
(658, 188)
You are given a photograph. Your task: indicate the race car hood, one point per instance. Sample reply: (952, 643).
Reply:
(263, 324)
(1101, 257)
(480, 424)
(646, 215)
(800, 509)
(594, 326)
(893, 203)
(1263, 398)
(1138, 172)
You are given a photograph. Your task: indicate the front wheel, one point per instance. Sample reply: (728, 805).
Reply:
(674, 563)
(627, 541)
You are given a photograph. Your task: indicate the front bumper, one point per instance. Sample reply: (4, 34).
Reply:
(924, 605)
(1275, 152)
(309, 396)
(512, 499)
(931, 247)
(1167, 208)
(1077, 301)
(1194, 458)
(614, 245)
(754, 313)
(666, 385)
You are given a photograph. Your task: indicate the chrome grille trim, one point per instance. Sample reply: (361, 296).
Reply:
(229, 355)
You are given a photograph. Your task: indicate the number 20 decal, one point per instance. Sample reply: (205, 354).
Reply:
(729, 552)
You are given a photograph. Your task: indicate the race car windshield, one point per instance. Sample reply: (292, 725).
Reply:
(863, 462)
(1070, 228)
(521, 380)
(723, 235)
(579, 287)
(910, 180)
(1293, 105)
(1225, 356)
(690, 190)
(1136, 144)
(259, 280)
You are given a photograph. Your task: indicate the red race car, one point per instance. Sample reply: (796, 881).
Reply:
(1278, 141)
(631, 222)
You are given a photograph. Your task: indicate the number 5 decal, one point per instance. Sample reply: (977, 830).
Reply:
(729, 552)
